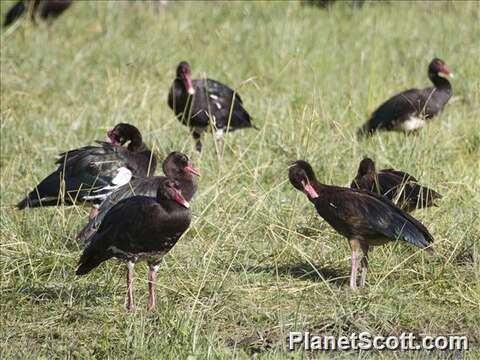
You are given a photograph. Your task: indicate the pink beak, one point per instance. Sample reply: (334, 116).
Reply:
(192, 170)
(180, 199)
(310, 190)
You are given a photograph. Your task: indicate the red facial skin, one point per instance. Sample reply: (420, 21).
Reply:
(308, 188)
(178, 197)
(445, 70)
(187, 81)
(113, 139)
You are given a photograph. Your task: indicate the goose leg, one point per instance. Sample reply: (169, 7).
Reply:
(130, 305)
(152, 278)
(94, 212)
(353, 276)
(218, 136)
(355, 246)
(364, 263)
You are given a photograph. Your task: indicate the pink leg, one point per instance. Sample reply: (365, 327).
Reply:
(353, 276)
(93, 213)
(152, 278)
(364, 262)
(355, 246)
(130, 305)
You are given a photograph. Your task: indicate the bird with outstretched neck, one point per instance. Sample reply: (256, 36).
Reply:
(410, 110)
(90, 173)
(398, 186)
(364, 218)
(205, 103)
(176, 166)
(139, 228)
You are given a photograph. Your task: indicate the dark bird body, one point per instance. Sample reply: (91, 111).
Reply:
(91, 172)
(364, 218)
(46, 9)
(176, 166)
(398, 186)
(139, 228)
(325, 4)
(200, 104)
(410, 110)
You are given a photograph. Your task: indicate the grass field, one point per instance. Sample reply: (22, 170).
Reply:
(257, 261)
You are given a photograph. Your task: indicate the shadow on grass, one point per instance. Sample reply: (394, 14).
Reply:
(38, 294)
(253, 345)
(303, 271)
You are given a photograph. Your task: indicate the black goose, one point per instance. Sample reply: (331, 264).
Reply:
(47, 9)
(326, 4)
(211, 99)
(90, 173)
(176, 166)
(410, 110)
(364, 218)
(398, 186)
(139, 228)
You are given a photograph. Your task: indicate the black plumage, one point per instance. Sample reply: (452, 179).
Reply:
(17, 10)
(139, 228)
(46, 9)
(410, 110)
(398, 186)
(202, 103)
(176, 166)
(364, 218)
(326, 4)
(91, 172)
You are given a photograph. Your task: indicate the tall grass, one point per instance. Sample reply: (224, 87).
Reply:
(257, 261)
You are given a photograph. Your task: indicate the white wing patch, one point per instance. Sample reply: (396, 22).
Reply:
(219, 134)
(123, 177)
(413, 123)
(215, 98)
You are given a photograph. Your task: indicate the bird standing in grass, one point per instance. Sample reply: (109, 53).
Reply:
(364, 218)
(90, 173)
(139, 228)
(410, 110)
(398, 186)
(204, 103)
(176, 166)
(47, 9)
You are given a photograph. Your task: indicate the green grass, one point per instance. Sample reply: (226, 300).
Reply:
(257, 261)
